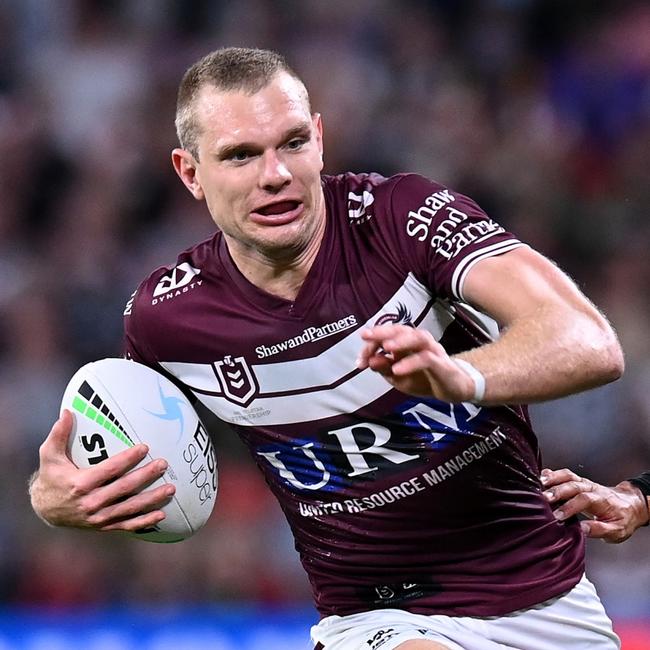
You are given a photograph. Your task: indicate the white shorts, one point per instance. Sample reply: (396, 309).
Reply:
(574, 621)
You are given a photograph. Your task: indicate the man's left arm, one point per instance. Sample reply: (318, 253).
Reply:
(554, 341)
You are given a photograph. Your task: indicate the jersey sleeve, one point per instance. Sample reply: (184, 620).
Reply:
(442, 234)
(134, 343)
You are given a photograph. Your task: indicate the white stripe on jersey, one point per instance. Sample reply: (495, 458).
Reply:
(317, 387)
(351, 395)
(327, 384)
(461, 271)
(336, 362)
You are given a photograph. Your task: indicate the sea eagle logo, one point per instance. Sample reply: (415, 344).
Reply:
(401, 317)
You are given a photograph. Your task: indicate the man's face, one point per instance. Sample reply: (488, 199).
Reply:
(259, 170)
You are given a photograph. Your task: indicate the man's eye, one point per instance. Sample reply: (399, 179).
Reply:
(239, 156)
(296, 143)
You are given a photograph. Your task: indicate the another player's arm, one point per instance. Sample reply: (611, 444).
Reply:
(108, 496)
(614, 513)
(554, 341)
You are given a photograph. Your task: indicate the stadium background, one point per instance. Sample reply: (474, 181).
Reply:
(540, 110)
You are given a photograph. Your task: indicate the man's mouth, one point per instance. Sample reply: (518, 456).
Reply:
(277, 213)
(277, 208)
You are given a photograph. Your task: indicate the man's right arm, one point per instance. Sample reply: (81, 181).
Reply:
(614, 513)
(111, 495)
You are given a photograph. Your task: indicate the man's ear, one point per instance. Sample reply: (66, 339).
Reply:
(317, 121)
(185, 165)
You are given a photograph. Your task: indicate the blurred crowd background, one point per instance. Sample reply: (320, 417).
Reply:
(539, 110)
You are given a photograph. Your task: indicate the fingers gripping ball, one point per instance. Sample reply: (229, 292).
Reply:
(117, 404)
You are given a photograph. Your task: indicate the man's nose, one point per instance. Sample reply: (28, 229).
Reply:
(275, 174)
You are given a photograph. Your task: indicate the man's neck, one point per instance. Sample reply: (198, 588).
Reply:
(279, 275)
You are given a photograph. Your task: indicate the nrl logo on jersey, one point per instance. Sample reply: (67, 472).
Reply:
(176, 282)
(358, 205)
(237, 380)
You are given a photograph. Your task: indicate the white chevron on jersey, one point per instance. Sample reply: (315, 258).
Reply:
(314, 402)
(316, 387)
(351, 395)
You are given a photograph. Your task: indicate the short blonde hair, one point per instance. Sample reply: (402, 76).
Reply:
(230, 68)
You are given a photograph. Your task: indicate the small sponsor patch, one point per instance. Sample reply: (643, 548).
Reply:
(394, 594)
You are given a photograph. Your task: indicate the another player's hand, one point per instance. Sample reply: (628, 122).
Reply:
(616, 512)
(107, 496)
(414, 362)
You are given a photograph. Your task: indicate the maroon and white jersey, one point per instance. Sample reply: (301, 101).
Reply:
(394, 500)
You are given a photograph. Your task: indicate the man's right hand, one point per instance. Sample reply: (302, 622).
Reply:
(108, 496)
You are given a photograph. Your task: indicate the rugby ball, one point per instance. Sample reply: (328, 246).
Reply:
(116, 404)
